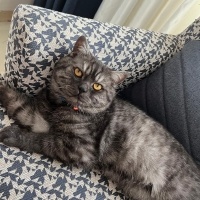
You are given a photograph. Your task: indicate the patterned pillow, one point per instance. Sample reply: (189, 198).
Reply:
(39, 37)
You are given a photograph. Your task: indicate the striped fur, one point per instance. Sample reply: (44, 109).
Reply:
(132, 149)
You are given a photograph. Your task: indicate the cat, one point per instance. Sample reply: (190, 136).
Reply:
(79, 120)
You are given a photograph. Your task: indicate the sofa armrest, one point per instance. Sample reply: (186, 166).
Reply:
(39, 37)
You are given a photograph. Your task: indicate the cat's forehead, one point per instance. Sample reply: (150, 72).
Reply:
(94, 70)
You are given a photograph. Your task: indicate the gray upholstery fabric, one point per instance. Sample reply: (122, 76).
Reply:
(171, 95)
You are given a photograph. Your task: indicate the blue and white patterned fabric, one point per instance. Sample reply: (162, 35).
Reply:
(38, 38)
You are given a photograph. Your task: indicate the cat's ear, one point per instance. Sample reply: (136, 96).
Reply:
(81, 46)
(119, 76)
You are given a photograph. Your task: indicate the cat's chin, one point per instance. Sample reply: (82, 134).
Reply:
(78, 105)
(89, 109)
(81, 107)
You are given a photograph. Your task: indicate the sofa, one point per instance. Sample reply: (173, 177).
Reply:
(163, 82)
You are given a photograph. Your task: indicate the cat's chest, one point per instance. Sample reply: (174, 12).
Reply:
(67, 119)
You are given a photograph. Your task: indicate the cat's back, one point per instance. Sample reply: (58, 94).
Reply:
(129, 116)
(141, 149)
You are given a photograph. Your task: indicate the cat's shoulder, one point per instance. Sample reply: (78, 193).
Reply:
(120, 103)
(124, 106)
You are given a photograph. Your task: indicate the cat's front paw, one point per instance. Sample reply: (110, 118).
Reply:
(11, 136)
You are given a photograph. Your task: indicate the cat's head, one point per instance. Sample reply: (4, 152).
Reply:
(83, 81)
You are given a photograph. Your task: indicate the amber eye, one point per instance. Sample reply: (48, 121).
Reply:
(97, 86)
(78, 72)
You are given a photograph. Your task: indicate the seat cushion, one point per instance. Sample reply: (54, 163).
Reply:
(171, 95)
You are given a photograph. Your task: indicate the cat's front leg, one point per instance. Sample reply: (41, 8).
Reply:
(12, 100)
(23, 109)
(68, 149)
(6, 95)
(14, 136)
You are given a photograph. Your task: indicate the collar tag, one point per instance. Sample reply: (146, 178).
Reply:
(75, 108)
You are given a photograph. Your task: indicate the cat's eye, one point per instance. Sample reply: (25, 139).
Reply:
(78, 72)
(97, 86)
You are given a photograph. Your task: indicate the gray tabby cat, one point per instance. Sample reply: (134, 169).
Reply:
(78, 120)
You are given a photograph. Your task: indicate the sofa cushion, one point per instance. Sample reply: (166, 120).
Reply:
(39, 37)
(171, 95)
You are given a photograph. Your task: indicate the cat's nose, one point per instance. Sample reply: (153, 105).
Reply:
(83, 88)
